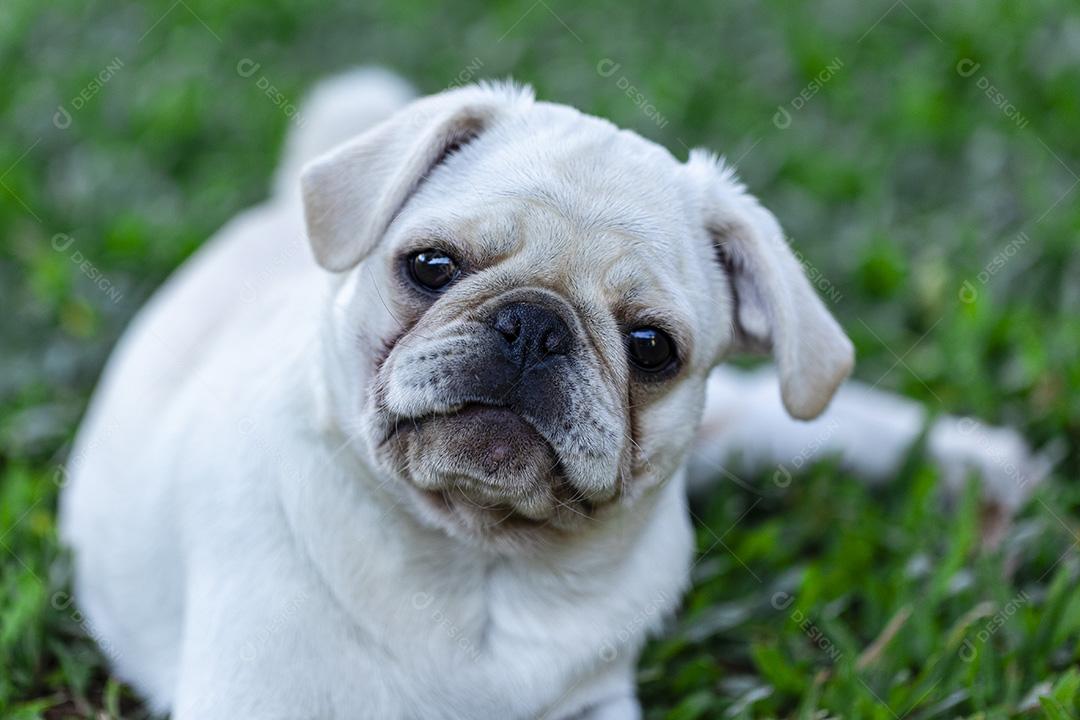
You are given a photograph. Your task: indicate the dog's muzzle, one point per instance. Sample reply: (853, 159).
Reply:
(532, 335)
(513, 428)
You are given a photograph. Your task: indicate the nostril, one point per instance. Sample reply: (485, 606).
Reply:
(531, 332)
(508, 325)
(554, 342)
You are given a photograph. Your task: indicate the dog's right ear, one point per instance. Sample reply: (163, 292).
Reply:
(352, 193)
(776, 309)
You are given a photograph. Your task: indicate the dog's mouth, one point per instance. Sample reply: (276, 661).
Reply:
(486, 470)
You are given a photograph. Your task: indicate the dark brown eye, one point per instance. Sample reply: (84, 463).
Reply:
(650, 349)
(432, 269)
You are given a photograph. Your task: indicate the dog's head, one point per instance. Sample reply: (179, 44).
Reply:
(527, 302)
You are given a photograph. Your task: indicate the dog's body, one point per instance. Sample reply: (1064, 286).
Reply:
(245, 544)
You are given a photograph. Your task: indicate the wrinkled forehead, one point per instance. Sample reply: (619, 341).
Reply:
(563, 198)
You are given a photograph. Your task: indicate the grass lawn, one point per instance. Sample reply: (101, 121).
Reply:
(924, 157)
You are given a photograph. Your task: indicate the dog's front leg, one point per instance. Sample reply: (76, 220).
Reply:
(263, 641)
(609, 694)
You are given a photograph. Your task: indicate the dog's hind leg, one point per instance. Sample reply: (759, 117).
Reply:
(746, 429)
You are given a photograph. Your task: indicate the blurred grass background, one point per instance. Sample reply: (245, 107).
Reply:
(923, 144)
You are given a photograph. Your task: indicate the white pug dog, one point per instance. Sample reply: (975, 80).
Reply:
(439, 471)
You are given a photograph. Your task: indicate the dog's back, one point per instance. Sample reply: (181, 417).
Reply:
(119, 520)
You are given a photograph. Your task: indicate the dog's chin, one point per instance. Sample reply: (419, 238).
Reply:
(484, 474)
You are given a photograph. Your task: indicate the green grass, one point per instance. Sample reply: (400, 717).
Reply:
(900, 179)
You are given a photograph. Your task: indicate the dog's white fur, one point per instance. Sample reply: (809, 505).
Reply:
(238, 551)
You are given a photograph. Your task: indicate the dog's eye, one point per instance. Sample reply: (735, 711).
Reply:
(651, 349)
(432, 269)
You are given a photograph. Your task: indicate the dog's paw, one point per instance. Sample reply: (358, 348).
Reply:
(1007, 468)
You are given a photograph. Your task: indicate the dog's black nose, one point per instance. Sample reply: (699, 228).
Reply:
(532, 333)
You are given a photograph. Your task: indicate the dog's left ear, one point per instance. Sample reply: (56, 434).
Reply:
(352, 193)
(775, 308)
